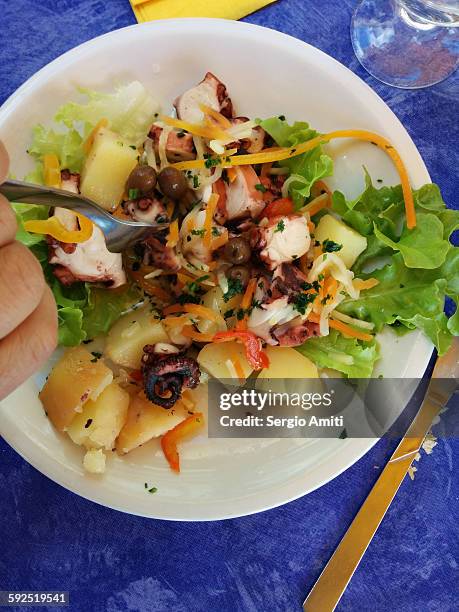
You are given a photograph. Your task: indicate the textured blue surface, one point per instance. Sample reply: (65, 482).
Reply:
(51, 539)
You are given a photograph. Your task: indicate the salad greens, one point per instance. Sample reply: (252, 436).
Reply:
(354, 358)
(84, 311)
(417, 268)
(307, 168)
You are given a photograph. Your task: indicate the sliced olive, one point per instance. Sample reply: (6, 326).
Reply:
(173, 183)
(237, 251)
(241, 273)
(143, 179)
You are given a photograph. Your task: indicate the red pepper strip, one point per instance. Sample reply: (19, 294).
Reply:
(284, 206)
(183, 430)
(257, 358)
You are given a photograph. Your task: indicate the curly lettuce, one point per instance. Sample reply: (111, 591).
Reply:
(304, 169)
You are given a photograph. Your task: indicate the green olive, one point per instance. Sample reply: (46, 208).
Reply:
(240, 273)
(172, 183)
(143, 179)
(237, 251)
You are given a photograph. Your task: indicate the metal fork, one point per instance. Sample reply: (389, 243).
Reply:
(119, 234)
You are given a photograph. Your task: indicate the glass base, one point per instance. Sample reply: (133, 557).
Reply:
(401, 51)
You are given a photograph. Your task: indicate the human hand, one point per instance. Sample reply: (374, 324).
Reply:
(28, 318)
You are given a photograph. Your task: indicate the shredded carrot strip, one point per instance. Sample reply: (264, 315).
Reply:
(202, 311)
(53, 227)
(319, 203)
(52, 171)
(237, 365)
(172, 309)
(219, 241)
(232, 174)
(189, 332)
(318, 188)
(246, 301)
(87, 145)
(178, 321)
(214, 133)
(210, 210)
(361, 285)
(288, 152)
(344, 329)
(173, 236)
(219, 118)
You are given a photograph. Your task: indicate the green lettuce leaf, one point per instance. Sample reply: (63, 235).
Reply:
(336, 352)
(306, 168)
(66, 145)
(130, 111)
(412, 297)
(84, 311)
(421, 247)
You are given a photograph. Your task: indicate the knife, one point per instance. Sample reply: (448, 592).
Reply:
(336, 575)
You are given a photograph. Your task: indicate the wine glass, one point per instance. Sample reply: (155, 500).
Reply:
(407, 43)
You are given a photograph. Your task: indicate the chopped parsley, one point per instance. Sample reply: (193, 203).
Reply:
(280, 226)
(240, 314)
(193, 286)
(133, 147)
(234, 287)
(96, 356)
(281, 117)
(195, 181)
(133, 194)
(215, 232)
(331, 247)
(302, 300)
(88, 423)
(260, 187)
(229, 313)
(198, 232)
(150, 489)
(211, 161)
(321, 277)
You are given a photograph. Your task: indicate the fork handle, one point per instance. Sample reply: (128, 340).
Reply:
(28, 193)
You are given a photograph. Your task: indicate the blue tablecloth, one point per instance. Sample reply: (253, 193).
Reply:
(52, 539)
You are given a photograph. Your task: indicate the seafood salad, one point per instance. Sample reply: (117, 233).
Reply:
(262, 269)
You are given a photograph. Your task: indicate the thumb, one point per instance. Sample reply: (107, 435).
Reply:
(4, 162)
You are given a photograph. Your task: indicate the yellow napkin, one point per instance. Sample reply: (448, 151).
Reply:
(148, 10)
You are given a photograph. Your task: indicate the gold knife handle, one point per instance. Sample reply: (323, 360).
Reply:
(336, 575)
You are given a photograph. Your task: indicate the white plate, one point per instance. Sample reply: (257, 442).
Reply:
(267, 74)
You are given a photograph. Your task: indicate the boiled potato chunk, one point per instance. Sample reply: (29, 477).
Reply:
(217, 359)
(101, 421)
(146, 421)
(75, 379)
(286, 362)
(333, 229)
(94, 461)
(213, 299)
(106, 169)
(131, 333)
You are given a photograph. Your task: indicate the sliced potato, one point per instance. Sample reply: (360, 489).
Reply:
(75, 379)
(101, 421)
(352, 242)
(217, 359)
(131, 333)
(146, 421)
(286, 362)
(106, 170)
